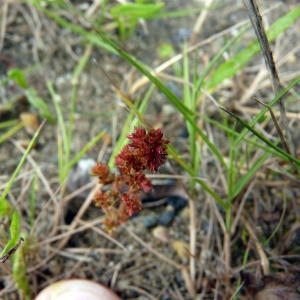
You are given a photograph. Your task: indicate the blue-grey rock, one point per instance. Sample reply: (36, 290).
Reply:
(177, 203)
(166, 217)
(150, 221)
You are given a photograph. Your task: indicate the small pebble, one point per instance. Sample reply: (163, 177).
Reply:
(167, 217)
(80, 175)
(182, 35)
(184, 132)
(161, 233)
(150, 221)
(177, 203)
(182, 250)
(31, 122)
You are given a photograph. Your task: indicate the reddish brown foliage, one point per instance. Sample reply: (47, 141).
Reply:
(146, 151)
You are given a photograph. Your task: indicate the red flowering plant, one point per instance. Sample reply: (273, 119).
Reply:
(119, 197)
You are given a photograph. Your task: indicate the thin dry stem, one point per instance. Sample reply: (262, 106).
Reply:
(93, 8)
(285, 146)
(79, 258)
(144, 80)
(257, 25)
(140, 291)
(254, 111)
(264, 262)
(81, 251)
(274, 166)
(67, 235)
(200, 21)
(185, 273)
(104, 234)
(241, 206)
(3, 24)
(152, 250)
(87, 203)
(193, 239)
(227, 251)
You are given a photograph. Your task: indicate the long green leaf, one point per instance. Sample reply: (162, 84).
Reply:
(14, 230)
(232, 66)
(172, 97)
(265, 109)
(131, 121)
(261, 137)
(172, 151)
(22, 161)
(136, 10)
(91, 37)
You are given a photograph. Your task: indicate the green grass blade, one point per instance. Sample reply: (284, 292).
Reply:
(261, 137)
(258, 117)
(91, 37)
(5, 208)
(32, 200)
(172, 151)
(63, 145)
(232, 66)
(19, 77)
(40, 105)
(75, 77)
(217, 57)
(241, 183)
(14, 230)
(134, 11)
(248, 140)
(62, 125)
(190, 102)
(131, 121)
(22, 161)
(19, 271)
(8, 123)
(174, 99)
(11, 132)
(85, 149)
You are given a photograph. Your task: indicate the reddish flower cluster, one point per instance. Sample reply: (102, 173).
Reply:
(146, 151)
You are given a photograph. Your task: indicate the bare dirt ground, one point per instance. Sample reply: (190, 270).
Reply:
(139, 261)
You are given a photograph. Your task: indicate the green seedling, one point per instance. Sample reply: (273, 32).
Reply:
(15, 251)
(38, 103)
(128, 14)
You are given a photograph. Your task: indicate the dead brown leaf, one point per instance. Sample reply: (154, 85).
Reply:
(272, 287)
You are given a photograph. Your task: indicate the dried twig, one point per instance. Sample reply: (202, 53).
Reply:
(184, 271)
(199, 23)
(264, 262)
(5, 257)
(266, 51)
(279, 131)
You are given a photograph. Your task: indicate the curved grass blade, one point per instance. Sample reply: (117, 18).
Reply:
(264, 110)
(230, 67)
(261, 137)
(187, 113)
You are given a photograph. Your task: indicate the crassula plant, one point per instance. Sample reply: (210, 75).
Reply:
(119, 196)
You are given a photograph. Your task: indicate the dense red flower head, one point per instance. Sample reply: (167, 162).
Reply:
(145, 151)
(131, 202)
(128, 160)
(156, 152)
(103, 172)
